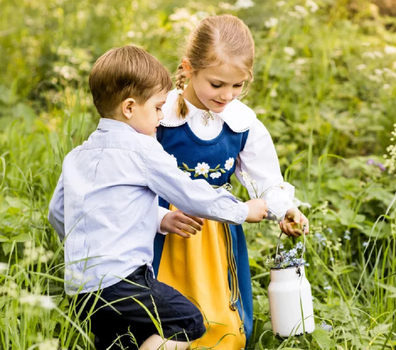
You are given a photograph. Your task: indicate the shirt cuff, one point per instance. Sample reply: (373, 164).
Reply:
(279, 199)
(161, 214)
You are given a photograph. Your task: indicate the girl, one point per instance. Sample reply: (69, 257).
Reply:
(212, 135)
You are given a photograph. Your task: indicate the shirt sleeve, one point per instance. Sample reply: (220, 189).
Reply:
(257, 168)
(194, 197)
(161, 214)
(56, 209)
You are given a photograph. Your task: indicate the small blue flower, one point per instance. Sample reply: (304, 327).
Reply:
(293, 252)
(299, 245)
(365, 244)
(326, 327)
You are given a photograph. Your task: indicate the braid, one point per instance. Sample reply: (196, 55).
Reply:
(182, 108)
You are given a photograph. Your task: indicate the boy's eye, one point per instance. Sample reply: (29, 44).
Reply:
(215, 86)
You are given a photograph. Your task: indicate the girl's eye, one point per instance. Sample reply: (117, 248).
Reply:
(215, 86)
(238, 85)
(159, 109)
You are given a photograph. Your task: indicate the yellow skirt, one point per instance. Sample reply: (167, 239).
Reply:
(198, 268)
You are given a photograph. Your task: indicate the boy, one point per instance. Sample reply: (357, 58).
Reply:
(106, 204)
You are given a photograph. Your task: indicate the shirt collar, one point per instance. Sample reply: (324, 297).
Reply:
(236, 114)
(112, 124)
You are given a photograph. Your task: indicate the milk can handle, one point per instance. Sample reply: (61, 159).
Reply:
(302, 252)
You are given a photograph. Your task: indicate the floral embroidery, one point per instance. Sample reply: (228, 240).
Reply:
(202, 169)
(229, 163)
(215, 175)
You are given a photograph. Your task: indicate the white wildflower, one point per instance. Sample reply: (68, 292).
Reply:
(215, 175)
(294, 14)
(386, 86)
(229, 163)
(243, 4)
(281, 3)
(361, 67)
(42, 301)
(369, 54)
(378, 71)
(365, 244)
(225, 6)
(301, 10)
(202, 168)
(271, 23)
(378, 54)
(394, 65)
(289, 51)
(375, 78)
(49, 344)
(3, 267)
(180, 14)
(312, 5)
(300, 61)
(390, 50)
(327, 288)
(273, 93)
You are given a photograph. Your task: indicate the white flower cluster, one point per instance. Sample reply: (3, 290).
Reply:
(42, 301)
(34, 254)
(390, 158)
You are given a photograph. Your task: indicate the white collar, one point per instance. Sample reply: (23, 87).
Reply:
(236, 115)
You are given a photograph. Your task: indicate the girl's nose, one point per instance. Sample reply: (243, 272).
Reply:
(226, 95)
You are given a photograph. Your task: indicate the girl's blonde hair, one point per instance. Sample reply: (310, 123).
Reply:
(216, 40)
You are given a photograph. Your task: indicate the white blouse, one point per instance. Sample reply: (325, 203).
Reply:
(257, 165)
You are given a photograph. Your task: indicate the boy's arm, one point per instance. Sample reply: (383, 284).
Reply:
(194, 197)
(56, 210)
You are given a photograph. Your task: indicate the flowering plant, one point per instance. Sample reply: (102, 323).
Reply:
(285, 258)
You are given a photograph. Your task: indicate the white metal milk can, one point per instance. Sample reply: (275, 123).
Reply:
(290, 300)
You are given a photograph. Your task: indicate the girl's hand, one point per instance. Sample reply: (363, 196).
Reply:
(293, 223)
(182, 224)
(258, 210)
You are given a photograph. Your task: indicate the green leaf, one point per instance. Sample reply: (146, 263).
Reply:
(23, 237)
(185, 166)
(222, 171)
(13, 210)
(4, 238)
(323, 339)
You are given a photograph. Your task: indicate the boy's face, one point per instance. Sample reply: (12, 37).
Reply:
(146, 117)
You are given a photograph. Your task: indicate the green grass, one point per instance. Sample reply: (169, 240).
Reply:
(331, 119)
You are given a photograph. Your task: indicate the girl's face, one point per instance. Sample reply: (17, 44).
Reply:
(214, 87)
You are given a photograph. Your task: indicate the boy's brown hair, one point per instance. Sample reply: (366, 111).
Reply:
(126, 72)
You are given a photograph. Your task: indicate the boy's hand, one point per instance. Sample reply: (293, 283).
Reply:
(176, 221)
(258, 210)
(293, 223)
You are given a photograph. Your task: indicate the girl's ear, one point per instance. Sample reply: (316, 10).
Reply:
(187, 69)
(128, 107)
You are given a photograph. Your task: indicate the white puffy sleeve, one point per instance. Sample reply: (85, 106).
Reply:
(257, 168)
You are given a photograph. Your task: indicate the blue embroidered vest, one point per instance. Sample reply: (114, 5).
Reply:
(213, 160)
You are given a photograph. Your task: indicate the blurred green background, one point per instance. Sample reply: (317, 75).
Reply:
(324, 86)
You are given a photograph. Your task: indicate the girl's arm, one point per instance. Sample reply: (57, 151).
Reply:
(257, 168)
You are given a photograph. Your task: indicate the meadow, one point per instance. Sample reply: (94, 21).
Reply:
(324, 86)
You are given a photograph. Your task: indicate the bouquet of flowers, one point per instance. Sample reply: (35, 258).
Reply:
(286, 258)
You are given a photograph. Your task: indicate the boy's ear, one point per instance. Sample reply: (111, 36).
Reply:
(128, 107)
(187, 69)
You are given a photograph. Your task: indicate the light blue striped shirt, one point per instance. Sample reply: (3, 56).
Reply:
(106, 204)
